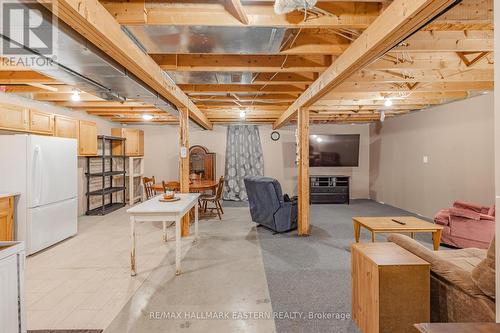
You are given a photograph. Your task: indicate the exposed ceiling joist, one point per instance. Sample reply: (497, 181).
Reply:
(395, 24)
(347, 15)
(96, 24)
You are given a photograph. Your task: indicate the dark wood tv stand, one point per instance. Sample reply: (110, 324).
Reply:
(329, 189)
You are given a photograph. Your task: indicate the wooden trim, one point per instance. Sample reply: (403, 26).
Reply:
(184, 162)
(303, 177)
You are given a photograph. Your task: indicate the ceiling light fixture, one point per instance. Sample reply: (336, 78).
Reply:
(382, 116)
(388, 103)
(243, 114)
(147, 117)
(75, 97)
(318, 139)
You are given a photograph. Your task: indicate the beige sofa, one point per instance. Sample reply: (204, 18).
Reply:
(462, 281)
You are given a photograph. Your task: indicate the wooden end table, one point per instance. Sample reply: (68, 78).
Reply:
(386, 225)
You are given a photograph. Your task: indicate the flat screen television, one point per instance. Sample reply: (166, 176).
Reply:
(340, 150)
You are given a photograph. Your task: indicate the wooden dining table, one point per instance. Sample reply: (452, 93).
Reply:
(194, 186)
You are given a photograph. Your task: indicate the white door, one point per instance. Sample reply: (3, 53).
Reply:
(52, 170)
(51, 223)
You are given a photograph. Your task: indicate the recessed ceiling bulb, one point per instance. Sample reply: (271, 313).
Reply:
(243, 114)
(75, 97)
(147, 117)
(318, 139)
(388, 102)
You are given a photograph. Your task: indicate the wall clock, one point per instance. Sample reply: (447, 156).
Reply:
(275, 136)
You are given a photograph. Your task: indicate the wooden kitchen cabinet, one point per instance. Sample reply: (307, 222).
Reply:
(41, 122)
(87, 138)
(13, 117)
(66, 127)
(6, 218)
(134, 143)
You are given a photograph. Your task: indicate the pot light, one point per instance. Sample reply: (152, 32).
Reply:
(75, 97)
(318, 139)
(147, 117)
(388, 103)
(243, 114)
(382, 116)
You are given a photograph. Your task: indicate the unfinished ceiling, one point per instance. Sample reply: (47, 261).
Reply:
(231, 59)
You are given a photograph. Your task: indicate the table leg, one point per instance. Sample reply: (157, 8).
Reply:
(357, 230)
(373, 237)
(196, 223)
(132, 246)
(164, 231)
(412, 235)
(178, 222)
(436, 239)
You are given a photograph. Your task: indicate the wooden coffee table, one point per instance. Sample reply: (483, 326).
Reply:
(385, 225)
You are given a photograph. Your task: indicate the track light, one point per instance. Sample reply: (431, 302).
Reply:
(388, 103)
(75, 97)
(382, 116)
(147, 117)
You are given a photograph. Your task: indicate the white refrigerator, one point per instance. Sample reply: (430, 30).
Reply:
(43, 170)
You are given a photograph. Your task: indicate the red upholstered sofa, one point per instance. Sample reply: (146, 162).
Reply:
(467, 225)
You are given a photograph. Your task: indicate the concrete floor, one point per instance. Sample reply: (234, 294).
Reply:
(85, 283)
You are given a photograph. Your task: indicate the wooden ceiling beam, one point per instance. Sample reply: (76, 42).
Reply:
(24, 77)
(235, 8)
(444, 75)
(241, 63)
(95, 23)
(399, 20)
(353, 15)
(353, 87)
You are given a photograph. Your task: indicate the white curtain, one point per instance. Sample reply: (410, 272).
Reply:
(243, 158)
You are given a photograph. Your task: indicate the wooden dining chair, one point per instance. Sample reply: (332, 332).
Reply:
(214, 199)
(171, 186)
(148, 186)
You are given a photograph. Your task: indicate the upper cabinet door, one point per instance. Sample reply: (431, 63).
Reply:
(14, 118)
(66, 127)
(134, 143)
(87, 140)
(41, 122)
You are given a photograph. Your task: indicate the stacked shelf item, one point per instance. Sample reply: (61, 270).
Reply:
(107, 172)
(135, 172)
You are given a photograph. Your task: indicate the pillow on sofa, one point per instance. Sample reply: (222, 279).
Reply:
(491, 212)
(468, 206)
(483, 274)
(469, 214)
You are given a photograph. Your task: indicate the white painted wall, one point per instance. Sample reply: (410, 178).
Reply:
(457, 138)
(161, 153)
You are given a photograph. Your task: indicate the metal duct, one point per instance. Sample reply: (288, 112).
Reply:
(208, 39)
(80, 64)
(211, 77)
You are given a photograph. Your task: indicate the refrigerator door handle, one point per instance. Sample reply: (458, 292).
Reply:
(37, 171)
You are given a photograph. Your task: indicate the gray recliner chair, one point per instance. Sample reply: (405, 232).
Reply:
(268, 206)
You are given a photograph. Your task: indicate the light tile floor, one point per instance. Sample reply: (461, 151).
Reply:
(83, 282)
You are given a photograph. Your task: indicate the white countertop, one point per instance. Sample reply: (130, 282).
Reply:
(155, 206)
(8, 194)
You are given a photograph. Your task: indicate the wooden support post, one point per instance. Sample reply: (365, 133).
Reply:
(184, 162)
(303, 177)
